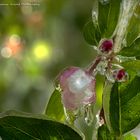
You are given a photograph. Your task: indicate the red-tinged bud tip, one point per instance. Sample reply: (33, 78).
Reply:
(121, 74)
(106, 46)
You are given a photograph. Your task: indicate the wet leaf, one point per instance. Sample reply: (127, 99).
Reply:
(23, 126)
(133, 29)
(108, 14)
(132, 50)
(91, 33)
(54, 108)
(124, 106)
(104, 133)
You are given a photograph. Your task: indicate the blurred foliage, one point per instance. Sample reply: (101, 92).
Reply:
(35, 127)
(36, 42)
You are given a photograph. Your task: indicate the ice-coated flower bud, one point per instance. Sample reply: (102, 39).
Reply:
(106, 46)
(78, 88)
(120, 75)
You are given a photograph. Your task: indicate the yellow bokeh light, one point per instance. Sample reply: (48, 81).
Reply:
(41, 50)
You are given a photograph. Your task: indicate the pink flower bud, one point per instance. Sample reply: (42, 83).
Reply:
(120, 75)
(106, 46)
(78, 88)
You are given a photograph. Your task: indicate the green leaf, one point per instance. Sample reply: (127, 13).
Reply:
(132, 50)
(104, 133)
(133, 29)
(91, 33)
(54, 108)
(129, 137)
(133, 67)
(108, 14)
(106, 103)
(23, 126)
(104, 26)
(115, 110)
(124, 106)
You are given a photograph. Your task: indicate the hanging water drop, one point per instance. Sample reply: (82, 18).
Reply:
(124, 43)
(100, 120)
(137, 15)
(110, 77)
(121, 59)
(104, 2)
(89, 114)
(71, 116)
(101, 68)
(58, 88)
(94, 16)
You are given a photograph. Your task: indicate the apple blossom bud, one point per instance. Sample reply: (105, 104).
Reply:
(106, 46)
(120, 75)
(78, 88)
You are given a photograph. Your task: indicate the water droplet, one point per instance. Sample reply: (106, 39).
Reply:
(96, 49)
(100, 121)
(124, 43)
(121, 59)
(58, 88)
(136, 15)
(104, 2)
(94, 16)
(110, 77)
(101, 68)
(89, 114)
(71, 116)
(116, 66)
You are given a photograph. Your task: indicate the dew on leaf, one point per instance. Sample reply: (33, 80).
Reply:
(104, 2)
(100, 121)
(71, 115)
(121, 59)
(137, 15)
(89, 114)
(124, 43)
(58, 88)
(94, 16)
(110, 77)
(101, 68)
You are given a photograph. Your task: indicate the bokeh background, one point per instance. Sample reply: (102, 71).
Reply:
(37, 41)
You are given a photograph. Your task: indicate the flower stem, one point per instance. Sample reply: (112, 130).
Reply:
(94, 65)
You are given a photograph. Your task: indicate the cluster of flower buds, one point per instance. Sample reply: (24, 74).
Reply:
(105, 66)
(78, 85)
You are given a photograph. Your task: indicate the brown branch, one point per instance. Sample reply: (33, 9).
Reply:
(94, 65)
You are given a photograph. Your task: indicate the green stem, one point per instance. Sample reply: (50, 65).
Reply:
(127, 10)
(105, 101)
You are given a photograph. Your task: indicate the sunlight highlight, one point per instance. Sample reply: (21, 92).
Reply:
(41, 51)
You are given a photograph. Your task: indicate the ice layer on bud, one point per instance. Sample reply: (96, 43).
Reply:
(79, 81)
(78, 88)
